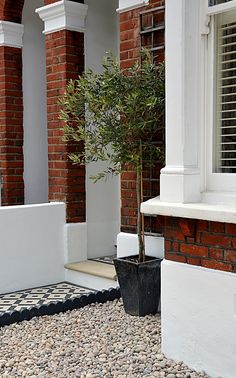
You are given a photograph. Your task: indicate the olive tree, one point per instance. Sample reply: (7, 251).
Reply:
(116, 114)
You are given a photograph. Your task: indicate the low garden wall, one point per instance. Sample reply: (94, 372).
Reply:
(31, 246)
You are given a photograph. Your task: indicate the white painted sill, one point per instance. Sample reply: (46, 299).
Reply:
(205, 211)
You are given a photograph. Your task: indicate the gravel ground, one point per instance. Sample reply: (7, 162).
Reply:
(93, 342)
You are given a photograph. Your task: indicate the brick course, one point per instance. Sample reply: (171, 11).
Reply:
(11, 126)
(130, 44)
(64, 61)
(211, 245)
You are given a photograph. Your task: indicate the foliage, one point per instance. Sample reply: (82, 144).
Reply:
(124, 111)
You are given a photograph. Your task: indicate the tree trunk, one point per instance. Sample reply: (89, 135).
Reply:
(140, 230)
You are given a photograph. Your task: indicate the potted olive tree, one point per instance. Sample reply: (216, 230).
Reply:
(116, 115)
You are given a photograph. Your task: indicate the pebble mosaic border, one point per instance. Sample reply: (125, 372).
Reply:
(52, 308)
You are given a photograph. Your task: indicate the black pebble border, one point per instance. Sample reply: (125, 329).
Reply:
(57, 307)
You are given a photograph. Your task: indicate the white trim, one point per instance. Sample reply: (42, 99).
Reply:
(221, 8)
(183, 98)
(11, 34)
(206, 211)
(126, 5)
(198, 317)
(63, 15)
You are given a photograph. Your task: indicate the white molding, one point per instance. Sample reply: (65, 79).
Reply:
(126, 5)
(198, 307)
(63, 15)
(11, 34)
(207, 211)
(180, 187)
(204, 18)
(221, 8)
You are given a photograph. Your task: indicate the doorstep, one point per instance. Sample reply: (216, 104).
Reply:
(94, 268)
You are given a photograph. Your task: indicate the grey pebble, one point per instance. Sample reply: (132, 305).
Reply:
(97, 341)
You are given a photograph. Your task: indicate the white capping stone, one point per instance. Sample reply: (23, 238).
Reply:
(63, 15)
(11, 34)
(126, 5)
(206, 211)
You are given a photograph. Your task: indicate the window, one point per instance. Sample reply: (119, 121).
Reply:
(225, 101)
(152, 23)
(221, 146)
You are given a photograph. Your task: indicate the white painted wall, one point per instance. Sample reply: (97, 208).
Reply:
(75, 242)
(31, 246)
(35, 111)
(103, 198)
(127, 244)
(199, 317)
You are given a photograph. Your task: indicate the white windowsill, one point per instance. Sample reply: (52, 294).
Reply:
(205, 211)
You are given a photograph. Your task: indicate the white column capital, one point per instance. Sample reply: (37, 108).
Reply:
(63, 15)
(126, 5)
(11, 34)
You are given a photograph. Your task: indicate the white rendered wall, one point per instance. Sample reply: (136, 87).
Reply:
(75, 242)
(31, 246)
(103, 198)
(127, 244)
(35, 111)
(199, 318)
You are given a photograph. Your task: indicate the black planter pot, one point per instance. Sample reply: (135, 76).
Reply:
(140, 284)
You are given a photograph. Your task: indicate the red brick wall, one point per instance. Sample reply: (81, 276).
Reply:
(198, 242)
(64, 60)
(130, 44)
(11, 126)
(11, 10)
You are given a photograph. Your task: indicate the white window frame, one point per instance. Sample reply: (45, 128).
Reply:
(217, 182)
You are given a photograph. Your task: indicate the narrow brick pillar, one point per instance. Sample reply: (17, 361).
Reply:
(11, 114)
(130, 45)
(64, 61)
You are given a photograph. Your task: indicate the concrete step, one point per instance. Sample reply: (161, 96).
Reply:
(92, 274)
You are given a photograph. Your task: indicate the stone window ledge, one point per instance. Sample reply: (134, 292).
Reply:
(205, 211)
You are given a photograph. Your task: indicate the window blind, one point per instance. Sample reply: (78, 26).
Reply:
(226, 99)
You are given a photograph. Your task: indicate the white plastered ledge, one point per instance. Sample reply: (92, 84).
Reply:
(206, 211)
(63, 15)
(126, 5)
(11, 34)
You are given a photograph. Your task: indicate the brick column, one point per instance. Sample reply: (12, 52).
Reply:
(64, 60)
(130, 45)
(11, 114)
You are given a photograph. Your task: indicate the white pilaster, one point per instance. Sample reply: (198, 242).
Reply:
(126, 5)
(63, 15)
(11, 34)
(180, 179)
